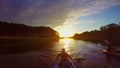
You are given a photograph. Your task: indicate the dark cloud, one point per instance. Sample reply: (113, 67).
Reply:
(34, 12)
(50, 12)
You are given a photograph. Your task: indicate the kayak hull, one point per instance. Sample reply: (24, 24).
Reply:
(65, 64)
(111, 54)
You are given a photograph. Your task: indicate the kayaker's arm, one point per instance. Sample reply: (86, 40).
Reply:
(57, 57)
(70, 57)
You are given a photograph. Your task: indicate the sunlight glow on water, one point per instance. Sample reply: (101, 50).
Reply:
(67, 44)
(91, 52)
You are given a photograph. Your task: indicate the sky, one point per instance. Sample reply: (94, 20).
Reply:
(65, 16)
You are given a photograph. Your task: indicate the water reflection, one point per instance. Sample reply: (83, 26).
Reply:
(66, 43)
(91, 52)
(76, 48)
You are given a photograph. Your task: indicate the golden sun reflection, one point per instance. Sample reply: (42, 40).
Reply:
(66, 44)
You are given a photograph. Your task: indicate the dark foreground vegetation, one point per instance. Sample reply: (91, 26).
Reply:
(110, 32)
(18, 38)
(13, 29)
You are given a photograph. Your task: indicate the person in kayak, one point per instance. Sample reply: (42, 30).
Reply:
(64, 58)
(64, 55)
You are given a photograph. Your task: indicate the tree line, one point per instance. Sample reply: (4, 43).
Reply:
(110, 32)
(20, 38)
(14, 29)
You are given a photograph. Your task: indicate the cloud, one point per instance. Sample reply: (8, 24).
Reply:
(51, 12)
(88, 22)
(88, 7)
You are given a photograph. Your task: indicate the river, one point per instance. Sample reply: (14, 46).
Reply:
(91, 52)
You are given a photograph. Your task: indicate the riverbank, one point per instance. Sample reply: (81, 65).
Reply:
(24, 44)
(110, 32)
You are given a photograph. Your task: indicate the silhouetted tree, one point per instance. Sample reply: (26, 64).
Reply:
(110, 32)
(14, 29)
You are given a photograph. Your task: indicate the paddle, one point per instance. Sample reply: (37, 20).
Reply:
(79, 60)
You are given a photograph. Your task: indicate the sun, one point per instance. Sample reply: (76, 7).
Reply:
(65, 33)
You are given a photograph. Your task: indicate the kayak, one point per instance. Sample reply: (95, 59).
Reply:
(111, 54)
(65, 64)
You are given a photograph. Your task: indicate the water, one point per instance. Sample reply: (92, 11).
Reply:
(82, 49)
(91, 52)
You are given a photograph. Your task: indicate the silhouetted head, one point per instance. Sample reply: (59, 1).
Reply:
(63, 49)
